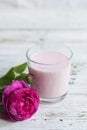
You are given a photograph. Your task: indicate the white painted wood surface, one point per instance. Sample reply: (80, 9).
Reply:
(16, 37)
(45, 4)
(43, 19)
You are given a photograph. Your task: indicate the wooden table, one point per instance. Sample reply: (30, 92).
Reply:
(71, 113)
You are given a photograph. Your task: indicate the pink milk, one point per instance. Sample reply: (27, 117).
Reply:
(50, 72)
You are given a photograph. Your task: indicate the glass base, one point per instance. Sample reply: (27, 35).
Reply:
(53, 100)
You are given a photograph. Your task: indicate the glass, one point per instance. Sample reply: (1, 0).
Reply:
(50, 65)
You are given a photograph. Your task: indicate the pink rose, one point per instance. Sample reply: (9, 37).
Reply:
(20, 101)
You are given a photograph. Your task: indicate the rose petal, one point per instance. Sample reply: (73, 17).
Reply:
(9, 89)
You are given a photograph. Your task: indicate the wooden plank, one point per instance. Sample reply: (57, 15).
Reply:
(60, 36)
(43, 19)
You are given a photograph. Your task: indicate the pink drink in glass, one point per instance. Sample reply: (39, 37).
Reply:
(50, 70)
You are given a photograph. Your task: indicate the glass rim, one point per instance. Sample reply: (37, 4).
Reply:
(69, 58)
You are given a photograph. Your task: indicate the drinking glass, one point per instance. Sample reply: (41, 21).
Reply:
(50, 65)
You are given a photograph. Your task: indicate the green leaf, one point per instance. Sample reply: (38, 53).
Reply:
(5, 81)
(1, 94)
(0, 97)
(19, 69)
(1, 109)
(10, 74)
(30, 79)
(23, 77)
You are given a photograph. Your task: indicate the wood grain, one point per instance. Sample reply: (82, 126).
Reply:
(43, 19)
